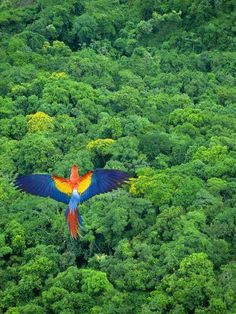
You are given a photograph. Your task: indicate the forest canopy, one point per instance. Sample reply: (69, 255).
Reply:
(147, 87)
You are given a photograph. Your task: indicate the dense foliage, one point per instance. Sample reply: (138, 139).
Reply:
(142, 86)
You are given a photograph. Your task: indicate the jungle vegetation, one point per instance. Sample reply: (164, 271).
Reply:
(147, 87)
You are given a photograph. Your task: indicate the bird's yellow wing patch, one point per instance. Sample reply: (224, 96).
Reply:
(62, 185)
(85, 182)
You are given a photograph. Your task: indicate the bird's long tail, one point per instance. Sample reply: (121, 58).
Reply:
(75, 222)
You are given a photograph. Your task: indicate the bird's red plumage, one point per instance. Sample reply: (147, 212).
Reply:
(73, 222)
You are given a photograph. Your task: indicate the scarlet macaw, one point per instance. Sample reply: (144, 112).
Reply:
(72, 191)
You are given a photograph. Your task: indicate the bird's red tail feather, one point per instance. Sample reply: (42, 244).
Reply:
(73, 222)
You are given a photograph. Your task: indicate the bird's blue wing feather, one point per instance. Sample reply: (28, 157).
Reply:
(41, 185)
(102, 181)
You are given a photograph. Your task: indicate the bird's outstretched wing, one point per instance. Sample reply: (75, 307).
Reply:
(100, 181)
(45, 185)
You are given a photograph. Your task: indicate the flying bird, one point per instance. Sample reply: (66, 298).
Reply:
(72, 191)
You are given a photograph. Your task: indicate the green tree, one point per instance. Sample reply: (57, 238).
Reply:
(84, 28)
(36, 153)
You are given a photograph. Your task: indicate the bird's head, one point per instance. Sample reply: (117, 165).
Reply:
(74, 172)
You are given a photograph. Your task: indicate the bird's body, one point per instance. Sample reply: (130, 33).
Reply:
(74, 190)
(72, 213)
(75, 199)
